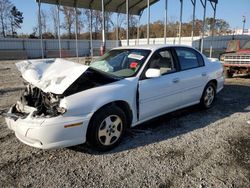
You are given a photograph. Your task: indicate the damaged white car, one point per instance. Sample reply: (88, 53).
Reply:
(66, 103)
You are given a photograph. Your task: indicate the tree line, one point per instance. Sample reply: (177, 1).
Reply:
(11, 19)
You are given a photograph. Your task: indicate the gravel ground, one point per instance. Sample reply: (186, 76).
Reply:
(187, 148)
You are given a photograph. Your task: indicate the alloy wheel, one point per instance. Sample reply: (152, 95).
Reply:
(209, 95)
(110, 130)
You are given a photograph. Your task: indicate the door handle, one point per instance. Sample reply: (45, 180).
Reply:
(176, 80)
(204, 74)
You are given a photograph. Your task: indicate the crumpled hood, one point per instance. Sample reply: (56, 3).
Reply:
(51, 75)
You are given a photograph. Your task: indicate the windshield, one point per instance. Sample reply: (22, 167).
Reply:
(121, 62)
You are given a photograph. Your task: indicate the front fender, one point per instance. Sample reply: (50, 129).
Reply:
(89, 101)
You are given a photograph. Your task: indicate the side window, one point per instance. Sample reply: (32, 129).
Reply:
(189, 58)
(162, 60)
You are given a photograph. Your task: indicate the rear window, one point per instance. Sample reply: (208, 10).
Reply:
(189, 58)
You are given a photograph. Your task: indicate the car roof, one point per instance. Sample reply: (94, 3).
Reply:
(152, 47)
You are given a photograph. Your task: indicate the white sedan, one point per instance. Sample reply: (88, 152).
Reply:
(66, 103)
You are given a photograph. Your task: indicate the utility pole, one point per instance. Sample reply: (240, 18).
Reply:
(214, 5)
(127, 15)
(204, 4)
(193, 22)
(165, 21)
(102, 50)
(180, 21)
(148, 3)
(40, 28)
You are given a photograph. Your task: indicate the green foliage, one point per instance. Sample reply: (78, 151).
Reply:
(16, 20)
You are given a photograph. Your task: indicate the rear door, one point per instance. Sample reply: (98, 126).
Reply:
(193, 74)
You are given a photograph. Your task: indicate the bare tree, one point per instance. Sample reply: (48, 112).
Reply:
(16, 20)
(117, 26)
(86, 17)
(45, 28)
(87, 20)
(69, 18)
(97, 22)
(133, 23)
(80, 21)
(122, 26)
(109, 24)
(53, 12)
(44, 20)
(5, 14)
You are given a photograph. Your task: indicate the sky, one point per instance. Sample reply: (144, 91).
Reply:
(230, 10)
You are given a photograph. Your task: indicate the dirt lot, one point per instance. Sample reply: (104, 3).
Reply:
(188, 148)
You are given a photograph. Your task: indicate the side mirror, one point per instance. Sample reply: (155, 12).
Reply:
(153, 73)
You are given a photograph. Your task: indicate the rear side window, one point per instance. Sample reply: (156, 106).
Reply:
(189, 58)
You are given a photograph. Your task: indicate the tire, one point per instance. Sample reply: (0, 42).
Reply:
(208, 96)
(107, 128)
(228, 74)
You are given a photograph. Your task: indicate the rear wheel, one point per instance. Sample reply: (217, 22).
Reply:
(107, 128)
(208, 96)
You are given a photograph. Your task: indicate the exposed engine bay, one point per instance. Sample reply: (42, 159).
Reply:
(45, 104)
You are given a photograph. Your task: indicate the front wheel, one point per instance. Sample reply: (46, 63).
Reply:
(208, 96)
(107, 128)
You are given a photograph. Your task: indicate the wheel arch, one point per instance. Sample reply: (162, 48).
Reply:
(123, 105)
(126, 109)
(214, 81)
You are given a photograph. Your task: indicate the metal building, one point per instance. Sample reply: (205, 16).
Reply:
(128, 7)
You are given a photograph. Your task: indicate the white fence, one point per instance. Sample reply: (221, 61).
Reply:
(32, 49)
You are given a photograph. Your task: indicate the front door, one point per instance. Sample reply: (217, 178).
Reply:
(161, 94)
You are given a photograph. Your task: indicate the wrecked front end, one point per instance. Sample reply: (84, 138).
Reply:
(36, 103)
(47, 80)
(39, 118)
